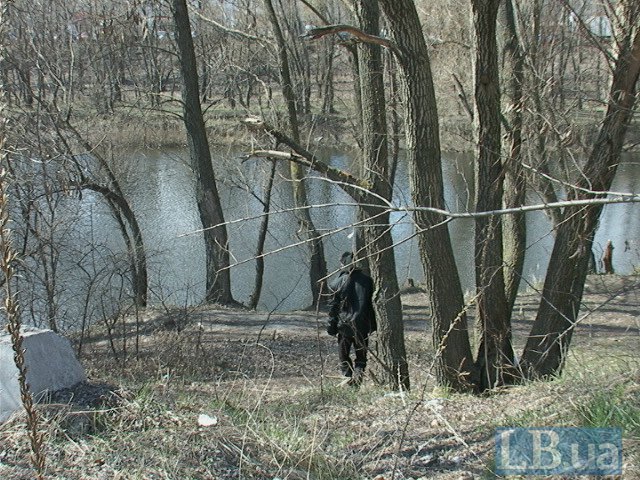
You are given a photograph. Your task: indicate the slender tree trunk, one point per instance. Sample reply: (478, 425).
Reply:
(218, 283)
(494, 323)
(121, 210)
(514, 227)
(454, 361)
(327, 87)
(545, 352)
(357, 93)
(394, 107)
(308, 232)
(262, 235)
(541, 181)
(378, 231)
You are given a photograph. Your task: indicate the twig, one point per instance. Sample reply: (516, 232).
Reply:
(8, 257)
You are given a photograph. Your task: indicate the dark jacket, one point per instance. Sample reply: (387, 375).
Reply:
(352, 302)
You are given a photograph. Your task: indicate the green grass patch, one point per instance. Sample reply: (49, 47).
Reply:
(613, 408)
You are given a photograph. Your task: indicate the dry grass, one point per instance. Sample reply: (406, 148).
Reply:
(272, 396)
(131, 127)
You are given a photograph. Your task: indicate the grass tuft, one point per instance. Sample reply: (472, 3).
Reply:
(613, 408)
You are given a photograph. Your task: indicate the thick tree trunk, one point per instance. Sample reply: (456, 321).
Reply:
(550, 336)
(493, 320)
(377, 232)
(307, 231)
(218, 278)
(454, 362)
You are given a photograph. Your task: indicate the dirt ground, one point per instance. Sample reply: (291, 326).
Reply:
(271, 385)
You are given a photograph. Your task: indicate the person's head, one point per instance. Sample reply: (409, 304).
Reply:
(346, 260)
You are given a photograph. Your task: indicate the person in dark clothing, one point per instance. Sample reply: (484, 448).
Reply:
(352, 318)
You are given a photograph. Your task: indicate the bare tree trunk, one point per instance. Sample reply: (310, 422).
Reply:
(357, 93)
(308, 232)
(394, 107)
(378, 231)
(545, 352)
(218, 283)
(514, 227)
(121, 210)
(493, 319)
(262, 235)
(454, 362)
(327, 86)
(542, 182)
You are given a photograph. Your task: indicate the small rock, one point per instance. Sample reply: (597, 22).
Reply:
(435, 403)
(205, 420)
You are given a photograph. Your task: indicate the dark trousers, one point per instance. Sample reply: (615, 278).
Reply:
(359, 344)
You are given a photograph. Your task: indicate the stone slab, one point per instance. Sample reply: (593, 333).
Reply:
(51, 366)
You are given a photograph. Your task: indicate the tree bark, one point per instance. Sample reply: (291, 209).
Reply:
(218, 278)
(454, 361)
(493, 320)
(545, 352)
(262, 235)
(377, 232)
(514, 227)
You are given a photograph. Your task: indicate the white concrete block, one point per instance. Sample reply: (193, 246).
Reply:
(51, 365)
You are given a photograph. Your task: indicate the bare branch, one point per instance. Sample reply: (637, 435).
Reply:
(584, 28)
(354, 186)
(318, 32)
(317, 13)
(230, 31)
(462, 95)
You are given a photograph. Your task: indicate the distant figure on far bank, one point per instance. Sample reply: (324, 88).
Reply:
(352, 318)
(607, 258)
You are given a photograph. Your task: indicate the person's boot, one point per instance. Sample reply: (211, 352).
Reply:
(347, 371)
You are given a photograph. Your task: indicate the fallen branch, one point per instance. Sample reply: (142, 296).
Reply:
(313, 33)
(357, 188)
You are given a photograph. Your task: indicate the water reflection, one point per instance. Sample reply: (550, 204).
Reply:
(160, 189)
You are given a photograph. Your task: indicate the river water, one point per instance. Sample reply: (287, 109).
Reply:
(160, 188)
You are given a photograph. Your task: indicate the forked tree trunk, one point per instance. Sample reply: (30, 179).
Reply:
(493, 319)
(545, 352)
(541, 160)
(514, 227)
